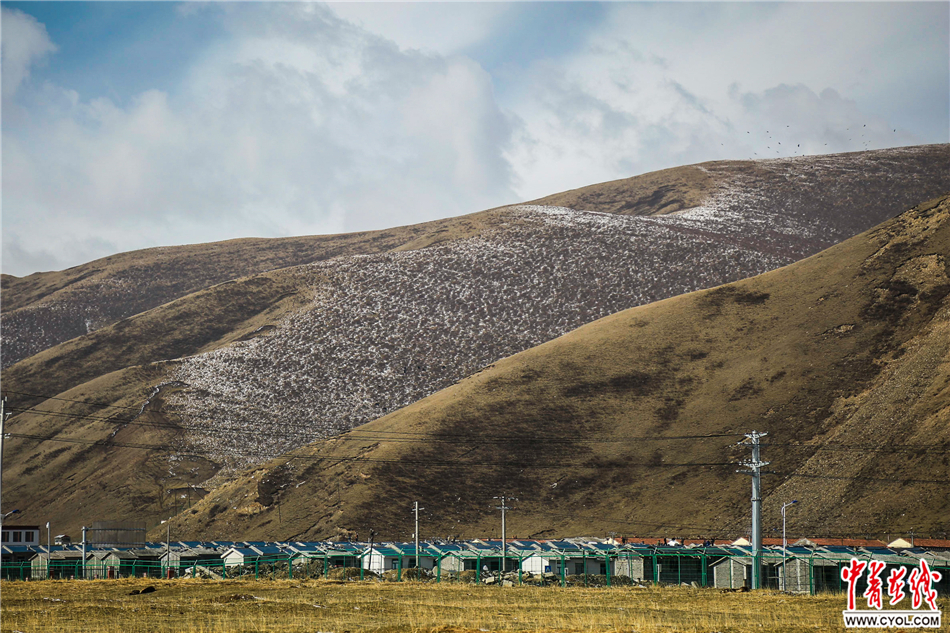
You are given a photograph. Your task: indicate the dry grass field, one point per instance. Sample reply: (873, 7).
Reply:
(285, 606)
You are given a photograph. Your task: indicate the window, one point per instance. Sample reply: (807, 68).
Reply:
(6, 537)
(17, 537)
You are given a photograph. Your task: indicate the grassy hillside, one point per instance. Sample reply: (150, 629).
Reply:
(96, 469)
(853, 192)
(44, 309)
(257, 366)
(842, 358)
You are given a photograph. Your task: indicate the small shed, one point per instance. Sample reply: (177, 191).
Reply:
(189, 556)
(382, 558)
(235, 556)
(732, 572)
(57, 564)
(120, 564)
(249, 554)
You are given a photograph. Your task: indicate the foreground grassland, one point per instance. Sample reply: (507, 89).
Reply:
(290, 606)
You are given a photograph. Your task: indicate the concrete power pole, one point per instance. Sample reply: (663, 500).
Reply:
(3, 417)
(168, 548)
(504, 541)
(755, 465)
(415, 509)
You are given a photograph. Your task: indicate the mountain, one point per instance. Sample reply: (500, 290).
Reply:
(852, 192)
(44, 309)
(224, 376)
(630, 424)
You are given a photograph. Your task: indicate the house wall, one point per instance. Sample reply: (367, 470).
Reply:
(794, 576)
(590, 565)
(377, 563)
(58, 568)
(453, 564)
(731, 574)
(20, 535)
(425, 562)
(633, 567)
(542, 564)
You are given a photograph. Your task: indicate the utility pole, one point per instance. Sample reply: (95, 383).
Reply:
(755, 465)
(3, 418)
(415, 509)
(84, 552)
(504, 541)
(372, 537)
(168, 548)
(785, 544)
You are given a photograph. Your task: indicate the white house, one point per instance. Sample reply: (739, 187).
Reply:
(20, 535)
(382, 558)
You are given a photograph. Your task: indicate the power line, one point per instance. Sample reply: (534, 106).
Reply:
(407, 436)
(445, 463)
(895, 480)
(870, 448)
(384, 436)
(348, 459)
(88, 402)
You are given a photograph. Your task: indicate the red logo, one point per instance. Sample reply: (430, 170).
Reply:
(921, 584)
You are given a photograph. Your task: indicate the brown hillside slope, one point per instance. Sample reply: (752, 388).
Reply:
(842, 358)
(251, 369)
(758, 216)
(203, 320)
(44, 309)
(97, 470)
(853, 191)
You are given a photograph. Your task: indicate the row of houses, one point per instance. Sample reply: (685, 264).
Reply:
(803, 567)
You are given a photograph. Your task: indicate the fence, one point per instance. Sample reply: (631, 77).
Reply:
(811, 573)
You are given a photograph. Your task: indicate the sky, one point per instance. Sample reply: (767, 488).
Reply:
(129, 125)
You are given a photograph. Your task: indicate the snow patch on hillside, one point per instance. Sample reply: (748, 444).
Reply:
(387, 330)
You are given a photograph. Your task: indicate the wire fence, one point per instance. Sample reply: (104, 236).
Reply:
(811, 574)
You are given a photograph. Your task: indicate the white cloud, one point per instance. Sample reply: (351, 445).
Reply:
(23, 43)
(298, 124)
(441, 27)
(661, 86)
(297, 121)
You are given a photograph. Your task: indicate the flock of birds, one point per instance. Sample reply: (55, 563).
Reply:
(797, 150)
